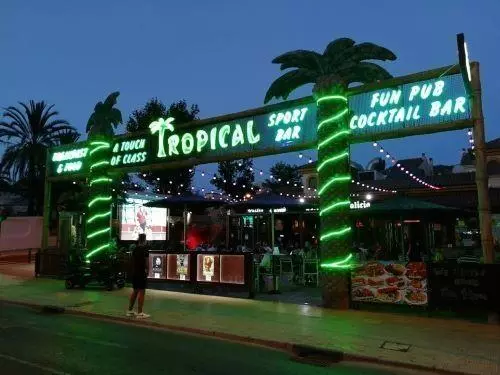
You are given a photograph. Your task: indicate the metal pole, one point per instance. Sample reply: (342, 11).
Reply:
(168, 224)
(272, 229)
(46, 204)
(184, 216)
(228, 221)
(483, 198)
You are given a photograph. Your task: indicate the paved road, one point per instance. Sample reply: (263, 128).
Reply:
(38, 343)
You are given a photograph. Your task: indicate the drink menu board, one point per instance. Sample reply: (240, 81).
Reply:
(208, 268)
(232, 269)
(178, 267)
(390, 282)
(157, 266)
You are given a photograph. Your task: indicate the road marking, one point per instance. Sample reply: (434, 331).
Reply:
(35, 365)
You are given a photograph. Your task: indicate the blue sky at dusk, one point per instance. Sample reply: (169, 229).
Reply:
(218, 54)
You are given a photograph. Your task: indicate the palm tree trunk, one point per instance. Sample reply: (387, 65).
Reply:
(98, 223)
(334, 181)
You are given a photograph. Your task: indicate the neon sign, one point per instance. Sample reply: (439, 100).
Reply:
(129, 152)
(68, 161)
(220, 136)
(417, 104)
(359, 205)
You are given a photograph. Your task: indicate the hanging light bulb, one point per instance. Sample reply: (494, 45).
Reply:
(310, 160)
(301, 156)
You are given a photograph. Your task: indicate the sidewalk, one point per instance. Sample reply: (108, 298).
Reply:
(442, 344)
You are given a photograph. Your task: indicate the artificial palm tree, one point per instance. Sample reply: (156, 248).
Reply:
(342, 63)
(100, 130)
(27, 132)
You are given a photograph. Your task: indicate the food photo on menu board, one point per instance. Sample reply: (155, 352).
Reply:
(390, 282)
(208, 267)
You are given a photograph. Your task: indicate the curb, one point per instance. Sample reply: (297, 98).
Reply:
(302, 353)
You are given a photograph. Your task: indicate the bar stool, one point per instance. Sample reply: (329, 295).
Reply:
(310, 267)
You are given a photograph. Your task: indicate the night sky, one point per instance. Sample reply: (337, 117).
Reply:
(218, 54)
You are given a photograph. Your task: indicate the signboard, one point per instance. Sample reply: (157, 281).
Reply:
(273, 132)
(390, 282)
(395, 111)
(464, 285)
(232, 269)
(418, 104)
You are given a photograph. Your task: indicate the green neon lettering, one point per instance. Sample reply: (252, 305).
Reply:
(384, 98)
(116, 147)
(296, 132)
(375, 98)
(238, 137)
(223, 133)
(279, 135)
(279, 118)
(426, 90)
(438, 88)
(352, 123)
(272, 117)
(381, 118)
(459, 105)
(400, 116)
(142, 156)
(187, 143)
(173, 142)
(288, 134)
(392, 113)
(213, 138)
(201, 140)
(414, 92)
(296, 115)
(303, 112)
(435, 108)
(287, 117)
(447, 108)
(252, 138)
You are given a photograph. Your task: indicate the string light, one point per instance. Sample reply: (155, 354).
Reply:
(402, 169)
(471, 139)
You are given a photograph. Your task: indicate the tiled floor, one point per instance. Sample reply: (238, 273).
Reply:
(445, 344)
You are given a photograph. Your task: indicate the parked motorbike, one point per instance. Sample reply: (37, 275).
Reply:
(104, 271)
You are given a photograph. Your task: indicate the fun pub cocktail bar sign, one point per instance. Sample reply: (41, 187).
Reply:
(410, 106)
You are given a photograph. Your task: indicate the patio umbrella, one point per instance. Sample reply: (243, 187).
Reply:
(193, 202)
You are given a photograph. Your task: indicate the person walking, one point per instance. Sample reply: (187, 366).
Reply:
(139, 278)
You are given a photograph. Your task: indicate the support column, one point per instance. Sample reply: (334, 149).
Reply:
(483, 198)
(46, 205)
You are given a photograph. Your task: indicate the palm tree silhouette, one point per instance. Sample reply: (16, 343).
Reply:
(27, 132)
(342, 63)
(100, 130)
(159, 127)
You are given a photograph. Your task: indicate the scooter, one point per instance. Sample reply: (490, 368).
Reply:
(104, 271)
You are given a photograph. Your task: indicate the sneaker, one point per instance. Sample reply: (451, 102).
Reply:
(142, 316)
(130, 313)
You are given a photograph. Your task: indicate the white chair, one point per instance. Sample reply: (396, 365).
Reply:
(310, 267)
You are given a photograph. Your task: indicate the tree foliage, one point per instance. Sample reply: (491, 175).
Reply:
(166, 181)
(286, 179)
(27, 131)
(235, 178)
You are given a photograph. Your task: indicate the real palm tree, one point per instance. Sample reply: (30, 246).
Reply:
(100, 130)
(342, 63)
(27, 132)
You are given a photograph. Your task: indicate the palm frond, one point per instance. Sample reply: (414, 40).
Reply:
(337, 46)
(288, 82)
(302, 59)
(365, 72)
(364, 51)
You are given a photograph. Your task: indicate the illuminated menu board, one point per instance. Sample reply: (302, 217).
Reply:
(208, 268)
(157, 266)
(232, 269)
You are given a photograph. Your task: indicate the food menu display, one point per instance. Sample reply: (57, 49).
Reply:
(157, 266)
(178, 267)
(390, 282)
(232, 269)
(208, 268)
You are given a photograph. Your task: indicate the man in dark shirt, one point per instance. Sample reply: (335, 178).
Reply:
(139, 277)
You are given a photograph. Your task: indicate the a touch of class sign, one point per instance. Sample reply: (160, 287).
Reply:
(416, 104)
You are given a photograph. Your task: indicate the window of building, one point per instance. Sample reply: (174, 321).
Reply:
(312, 183)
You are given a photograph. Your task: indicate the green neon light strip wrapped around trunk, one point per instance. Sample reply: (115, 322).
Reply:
(98, 224)
(334, 177)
